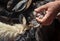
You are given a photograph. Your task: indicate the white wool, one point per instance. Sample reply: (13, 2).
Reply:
(9, 32)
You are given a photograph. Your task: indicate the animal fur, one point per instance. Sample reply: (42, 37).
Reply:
(9, 32)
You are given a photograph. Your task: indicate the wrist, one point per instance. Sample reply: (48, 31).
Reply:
(58, 5)
(57, 0)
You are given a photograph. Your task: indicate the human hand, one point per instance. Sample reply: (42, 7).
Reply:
(51, 9)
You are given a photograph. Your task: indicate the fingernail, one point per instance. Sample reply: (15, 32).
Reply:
(35, 9)
(36, 18)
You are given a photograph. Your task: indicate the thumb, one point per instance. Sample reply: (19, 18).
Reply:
(39, 20)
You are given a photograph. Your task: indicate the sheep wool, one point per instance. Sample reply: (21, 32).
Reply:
(9, 33)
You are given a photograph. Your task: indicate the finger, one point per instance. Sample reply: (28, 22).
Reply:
(41, 8)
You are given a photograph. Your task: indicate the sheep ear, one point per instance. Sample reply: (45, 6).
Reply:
(22, 19)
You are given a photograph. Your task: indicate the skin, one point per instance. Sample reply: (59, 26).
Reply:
(52, 9)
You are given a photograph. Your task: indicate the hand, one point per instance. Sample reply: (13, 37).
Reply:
(52, 9)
